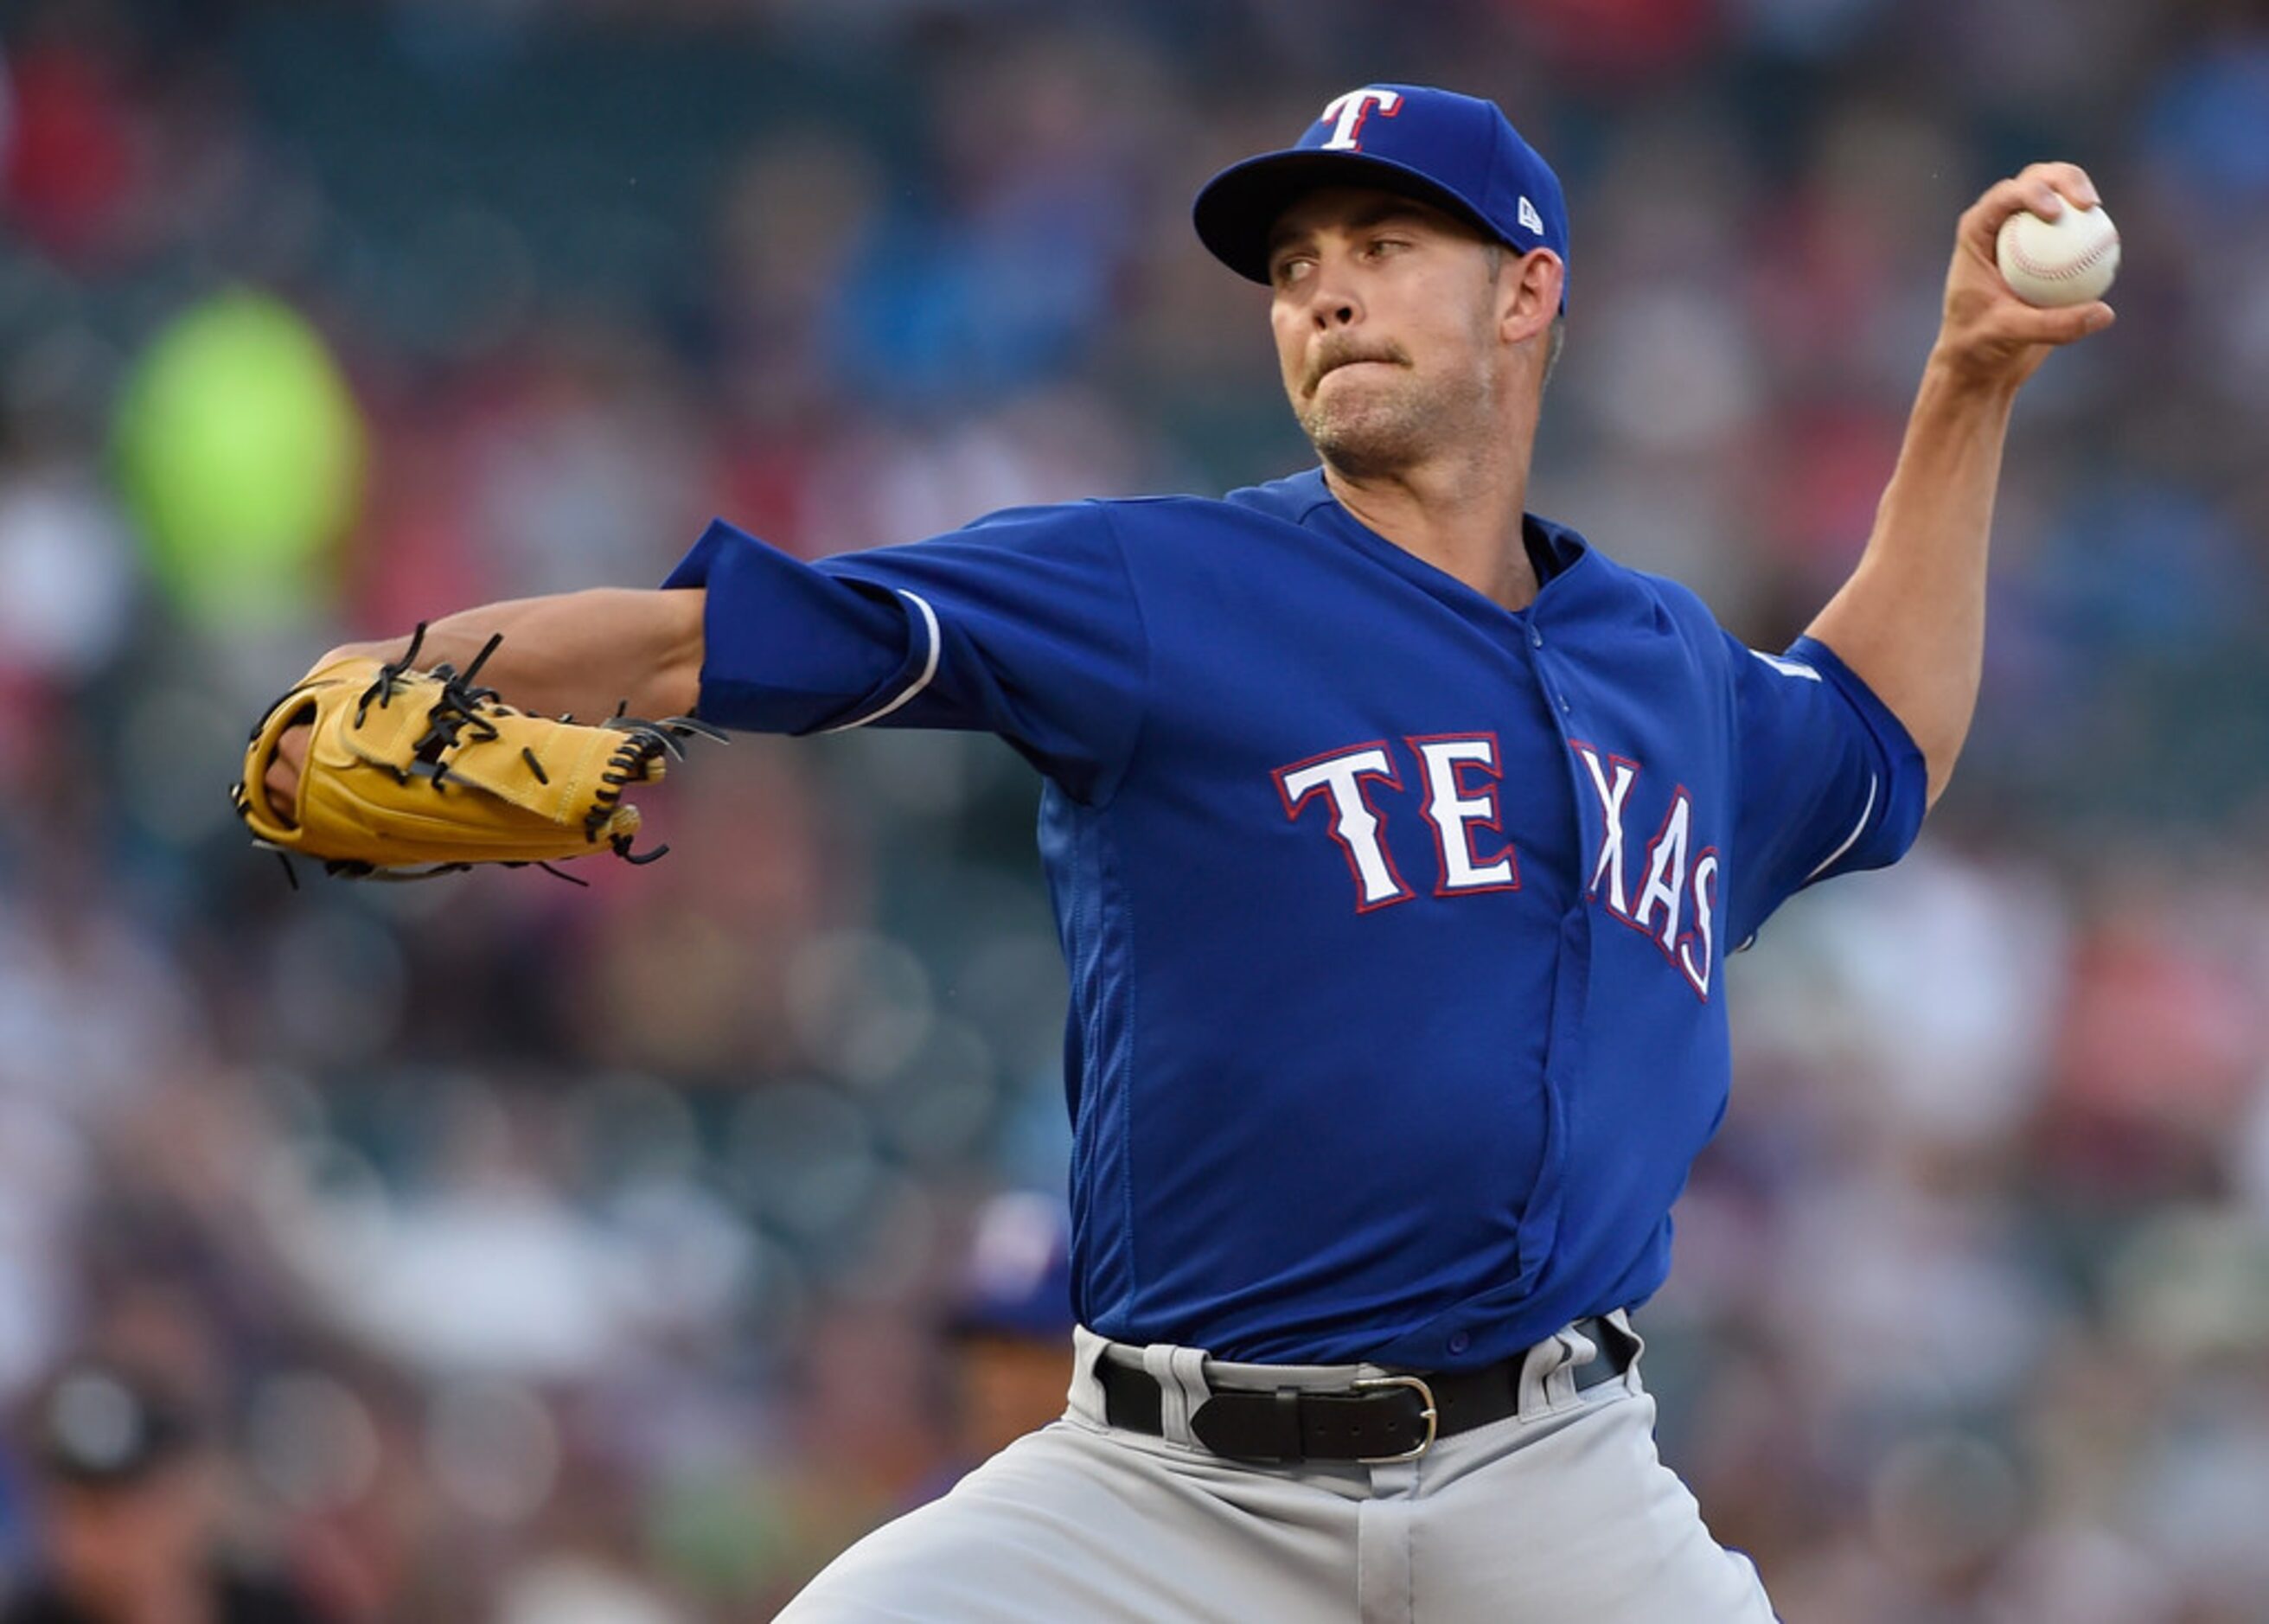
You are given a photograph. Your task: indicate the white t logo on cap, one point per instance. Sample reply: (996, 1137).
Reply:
(1350, 110)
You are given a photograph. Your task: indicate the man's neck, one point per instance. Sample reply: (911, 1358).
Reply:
(1465, 521)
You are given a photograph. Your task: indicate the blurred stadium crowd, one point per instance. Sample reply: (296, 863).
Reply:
(551, 1255)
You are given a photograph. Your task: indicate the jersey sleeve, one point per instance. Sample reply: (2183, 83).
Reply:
(1830, 780)
(1022, 623)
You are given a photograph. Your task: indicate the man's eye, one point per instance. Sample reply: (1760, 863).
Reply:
(1293, 270)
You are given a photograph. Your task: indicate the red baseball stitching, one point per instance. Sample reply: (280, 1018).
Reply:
(2031, 266)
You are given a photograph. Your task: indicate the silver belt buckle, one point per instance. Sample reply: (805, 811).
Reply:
(1416, 1385)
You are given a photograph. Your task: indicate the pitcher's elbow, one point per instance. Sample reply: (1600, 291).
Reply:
(677, 688)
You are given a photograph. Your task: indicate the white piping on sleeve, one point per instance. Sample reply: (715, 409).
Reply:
(1789, 668)
(1873, 783)
(928, 670)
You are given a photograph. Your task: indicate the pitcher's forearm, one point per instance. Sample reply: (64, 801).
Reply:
(580, 651)
(1911, 620)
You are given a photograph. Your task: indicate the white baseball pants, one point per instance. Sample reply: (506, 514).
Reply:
(1561, 1513)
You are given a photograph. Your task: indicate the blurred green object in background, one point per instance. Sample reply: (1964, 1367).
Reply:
(239, 451)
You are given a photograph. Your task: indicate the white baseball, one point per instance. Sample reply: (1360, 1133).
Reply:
(2070, 259)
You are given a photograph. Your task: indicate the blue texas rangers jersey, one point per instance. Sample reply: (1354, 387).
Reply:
(1396, 921)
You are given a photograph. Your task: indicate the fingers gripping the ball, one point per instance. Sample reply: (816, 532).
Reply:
(2049, 190)
(1989, 331)
(2046, 189)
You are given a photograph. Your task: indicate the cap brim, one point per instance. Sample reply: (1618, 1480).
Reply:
(1238, 208)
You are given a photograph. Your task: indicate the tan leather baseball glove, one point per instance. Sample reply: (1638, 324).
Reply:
(410, 773)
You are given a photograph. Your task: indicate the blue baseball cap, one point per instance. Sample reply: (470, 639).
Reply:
(1458, 152)
(1016, 1280)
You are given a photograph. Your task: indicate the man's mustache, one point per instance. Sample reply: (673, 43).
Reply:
(1334, 355)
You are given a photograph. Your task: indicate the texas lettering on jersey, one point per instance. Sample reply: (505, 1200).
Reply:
(1666, 889)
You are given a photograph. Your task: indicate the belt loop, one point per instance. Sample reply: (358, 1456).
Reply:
(1086, 1400)
(1180, 1375)
(1621, 1320)
(1580, 1351)
(1547, 1373)
(1286, 1412)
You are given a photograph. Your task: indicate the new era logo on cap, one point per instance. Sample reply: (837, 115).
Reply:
(1456, 153)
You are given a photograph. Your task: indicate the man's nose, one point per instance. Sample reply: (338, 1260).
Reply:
(1332, 302)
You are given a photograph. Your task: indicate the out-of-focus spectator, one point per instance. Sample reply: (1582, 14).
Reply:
(1007, 1335)
(76, 154)
(132, 1509)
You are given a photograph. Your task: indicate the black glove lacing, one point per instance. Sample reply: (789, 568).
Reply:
(381, 687)
(459, 709)
(644, 741)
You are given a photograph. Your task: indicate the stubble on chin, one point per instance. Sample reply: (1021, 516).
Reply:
(1384, 432)
(1368, 439)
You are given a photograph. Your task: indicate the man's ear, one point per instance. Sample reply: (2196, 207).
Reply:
(1530, 294)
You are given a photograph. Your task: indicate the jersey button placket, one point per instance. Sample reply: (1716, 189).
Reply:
(1559, 695)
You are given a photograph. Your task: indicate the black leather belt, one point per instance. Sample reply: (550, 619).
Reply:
(1396, 1416)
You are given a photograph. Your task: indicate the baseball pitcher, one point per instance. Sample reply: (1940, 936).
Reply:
(1397, 838)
